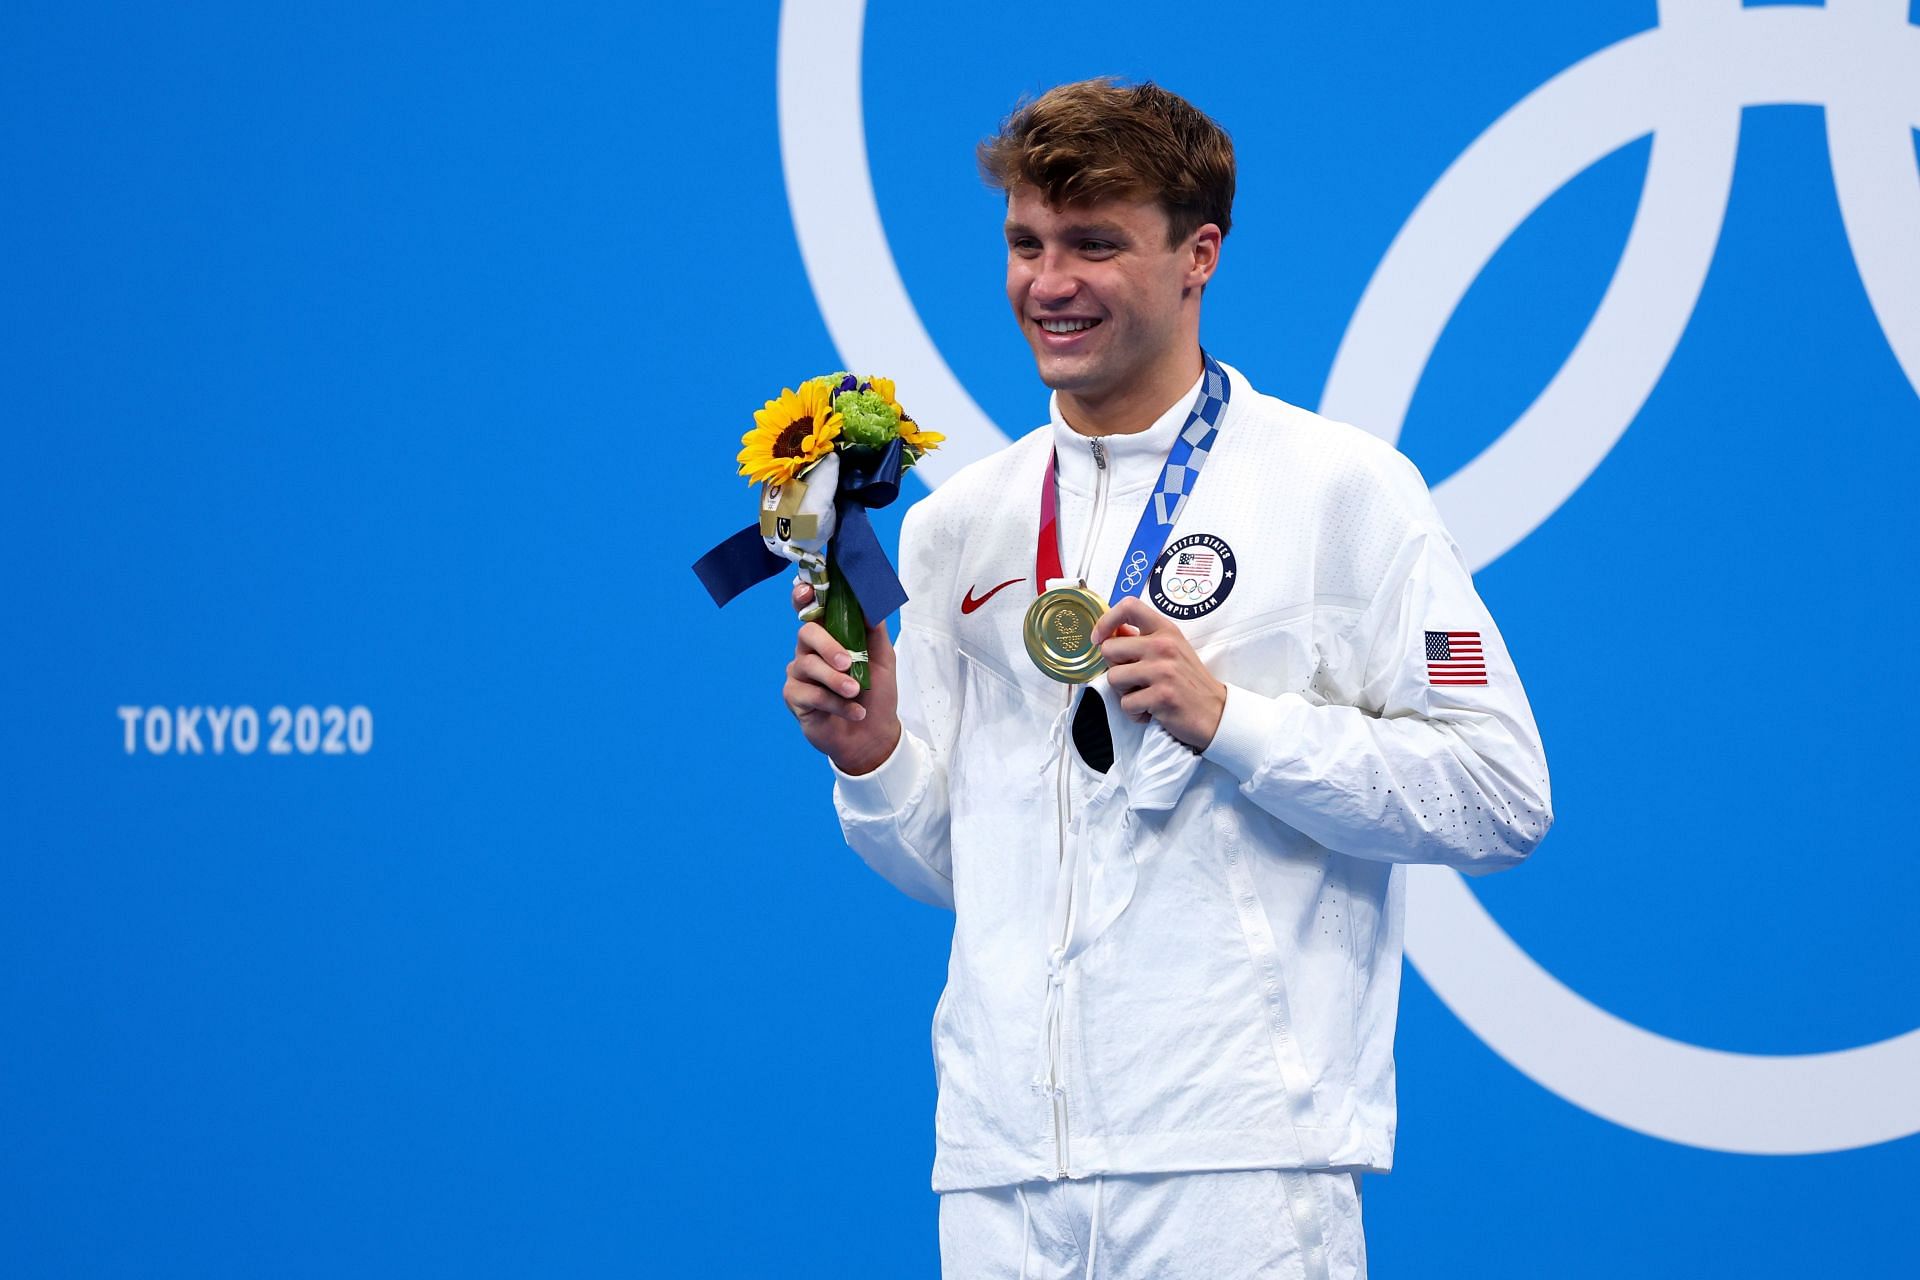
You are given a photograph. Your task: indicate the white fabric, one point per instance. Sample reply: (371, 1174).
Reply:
(1189, 964)
(822, 482)
(1169, 1226)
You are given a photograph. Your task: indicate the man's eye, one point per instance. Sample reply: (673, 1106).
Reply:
(1096, 246)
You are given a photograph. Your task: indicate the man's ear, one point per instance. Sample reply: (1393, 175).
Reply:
(1203, 255)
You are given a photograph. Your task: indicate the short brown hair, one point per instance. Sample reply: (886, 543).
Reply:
(1100, 139)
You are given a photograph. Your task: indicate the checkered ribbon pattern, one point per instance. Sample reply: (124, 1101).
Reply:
(1190, 449)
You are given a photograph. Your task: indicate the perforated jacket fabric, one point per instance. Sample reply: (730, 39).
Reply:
(1191, 962)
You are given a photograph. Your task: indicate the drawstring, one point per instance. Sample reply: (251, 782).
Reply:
(1026, 1223)
(1093, 1233)
(1054, 734)
(1050, 1019)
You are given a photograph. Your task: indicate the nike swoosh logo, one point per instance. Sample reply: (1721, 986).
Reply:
(968, 604)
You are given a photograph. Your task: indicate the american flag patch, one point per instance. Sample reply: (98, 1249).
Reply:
(1455, 657)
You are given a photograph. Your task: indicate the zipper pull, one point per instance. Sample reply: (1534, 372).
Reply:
(1099, 454)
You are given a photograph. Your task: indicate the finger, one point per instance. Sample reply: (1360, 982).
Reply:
(1119, 650)
(879, 643)
(803, 698)
(1139, 704)
(814, 638)
(802, 594)
(1128, 676)
(1133, 611)
(811, 668)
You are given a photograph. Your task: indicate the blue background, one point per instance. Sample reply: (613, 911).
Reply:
(397, 356)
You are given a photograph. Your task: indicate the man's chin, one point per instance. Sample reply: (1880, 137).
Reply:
(1067, 374)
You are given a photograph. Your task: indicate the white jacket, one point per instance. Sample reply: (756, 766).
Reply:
(1192, 962)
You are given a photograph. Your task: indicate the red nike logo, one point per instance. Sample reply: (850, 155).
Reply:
(968, 604)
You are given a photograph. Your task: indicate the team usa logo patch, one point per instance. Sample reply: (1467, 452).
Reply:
(1455, 657)
(1193, 576)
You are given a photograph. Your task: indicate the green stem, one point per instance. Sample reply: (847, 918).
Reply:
(845, 620)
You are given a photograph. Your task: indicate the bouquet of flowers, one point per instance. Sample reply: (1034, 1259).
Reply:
(823, 455)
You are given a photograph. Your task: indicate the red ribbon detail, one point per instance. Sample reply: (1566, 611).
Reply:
(1046, 556)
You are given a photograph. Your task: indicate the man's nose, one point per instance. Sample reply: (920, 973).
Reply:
(1052, 282)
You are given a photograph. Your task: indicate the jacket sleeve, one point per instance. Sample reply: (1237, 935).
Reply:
(1388, 758)
(896, 817)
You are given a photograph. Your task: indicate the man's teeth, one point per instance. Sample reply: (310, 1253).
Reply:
(1067, 326)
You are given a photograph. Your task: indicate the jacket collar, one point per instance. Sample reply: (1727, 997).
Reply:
(1133, 460)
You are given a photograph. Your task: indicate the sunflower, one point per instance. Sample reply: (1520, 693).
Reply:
(916, 440)
(790, 434)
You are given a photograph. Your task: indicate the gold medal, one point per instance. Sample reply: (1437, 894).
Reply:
(1059, 633)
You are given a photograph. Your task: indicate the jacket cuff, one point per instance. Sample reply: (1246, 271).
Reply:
(1246, 726)
(885, 790)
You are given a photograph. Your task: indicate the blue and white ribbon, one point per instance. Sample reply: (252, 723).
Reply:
(1189, 454)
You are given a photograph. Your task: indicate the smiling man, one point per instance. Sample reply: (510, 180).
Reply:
(1186, 675)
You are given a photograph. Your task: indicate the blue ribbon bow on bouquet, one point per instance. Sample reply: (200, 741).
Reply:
(857, 566)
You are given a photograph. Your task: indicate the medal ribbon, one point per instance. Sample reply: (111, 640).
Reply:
(1185, 459)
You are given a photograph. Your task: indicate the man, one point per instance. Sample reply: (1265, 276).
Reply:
(1165, 1044)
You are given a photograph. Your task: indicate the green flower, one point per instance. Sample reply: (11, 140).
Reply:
(866, 418)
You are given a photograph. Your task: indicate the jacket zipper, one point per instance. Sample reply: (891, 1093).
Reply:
(1066, 799)
(1099, 506)
(1058, 1098)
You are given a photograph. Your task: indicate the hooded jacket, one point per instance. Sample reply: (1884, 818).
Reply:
(1191, 961)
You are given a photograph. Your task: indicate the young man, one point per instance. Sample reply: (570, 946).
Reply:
(1165, 1044)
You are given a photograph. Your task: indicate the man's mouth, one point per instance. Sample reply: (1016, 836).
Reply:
(1065, 326)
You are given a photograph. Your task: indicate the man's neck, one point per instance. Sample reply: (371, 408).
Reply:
(1135, 408)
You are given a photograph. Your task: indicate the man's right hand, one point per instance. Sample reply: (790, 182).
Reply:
(856, 730)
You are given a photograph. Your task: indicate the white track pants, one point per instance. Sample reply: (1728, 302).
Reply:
(1274, 1224)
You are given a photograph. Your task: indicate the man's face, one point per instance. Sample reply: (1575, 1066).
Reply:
(1096, 290)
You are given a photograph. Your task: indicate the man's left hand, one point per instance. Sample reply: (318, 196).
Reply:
(1157, 674)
